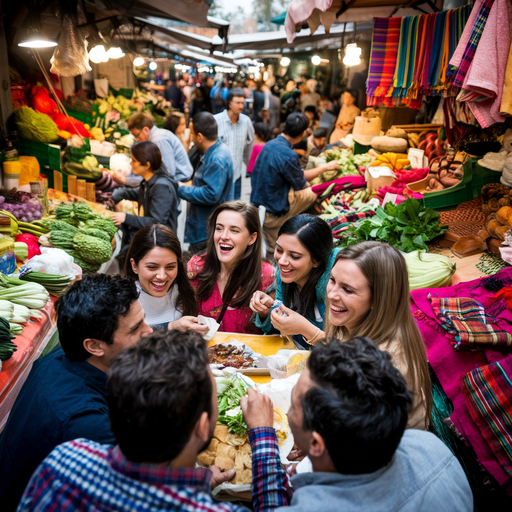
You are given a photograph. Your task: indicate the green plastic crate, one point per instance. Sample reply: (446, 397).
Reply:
(481, 177)
(85, 118)
(449, 199)
(48, 155)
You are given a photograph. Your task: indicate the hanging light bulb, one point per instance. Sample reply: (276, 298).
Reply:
(285, 61)
(36, 40)
(98, 54)
(316, 60)
(138, 61)
(115, 53)
(352, 55)
(153, 66)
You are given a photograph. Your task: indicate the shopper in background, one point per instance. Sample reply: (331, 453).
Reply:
(261, 137)
(231, 270)
(64, 396)
(154, 261)
(156, 196)
(278, 182)
(290, 100)
(218, 96)
(162, 401)
(304, 255)
(348, 414)
(174, 95)
(346, 117)
(212, 183)
(236, 131)
(368, 295)
(310, 97)
(176, 123)
(174, 156)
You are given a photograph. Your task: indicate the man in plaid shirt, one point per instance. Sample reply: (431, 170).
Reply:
(162, 402)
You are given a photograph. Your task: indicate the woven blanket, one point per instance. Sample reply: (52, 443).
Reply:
(466, 320)
(386, 37)
(472, 44)
(488, 395)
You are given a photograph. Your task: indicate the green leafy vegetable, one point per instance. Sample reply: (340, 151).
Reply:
(407, 226)
(230, 389)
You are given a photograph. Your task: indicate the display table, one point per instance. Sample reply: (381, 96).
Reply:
(262, 344)
(31, 343)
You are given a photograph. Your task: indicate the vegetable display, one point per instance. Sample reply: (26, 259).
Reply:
(35, 126)
(230, 389)
(427, 270)
(7, 347)
(54, 284)
(348, 164)
(407, 226)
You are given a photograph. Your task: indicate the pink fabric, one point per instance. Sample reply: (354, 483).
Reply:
(355, 182)
(299, 11)
(256, 150)
(466, 34)
(487, 72)
(450, 365)
(235, 320)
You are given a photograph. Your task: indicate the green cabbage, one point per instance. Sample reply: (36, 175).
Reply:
(35, 126)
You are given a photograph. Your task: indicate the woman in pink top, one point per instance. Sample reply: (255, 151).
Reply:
(261, 137)
(231, 269)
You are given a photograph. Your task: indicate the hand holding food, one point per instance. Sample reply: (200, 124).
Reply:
(219, 476)
(289, 322)
(188, 323)
(261, 304)
(257, 410)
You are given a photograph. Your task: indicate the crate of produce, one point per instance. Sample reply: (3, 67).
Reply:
(85, 118)
(483, 176)
(48, 155)
(449, 198)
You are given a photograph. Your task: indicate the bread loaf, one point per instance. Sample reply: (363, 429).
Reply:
(468, 245)
(504, 215)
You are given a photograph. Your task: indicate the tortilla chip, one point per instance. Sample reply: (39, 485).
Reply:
(220, 432)
(243, 460)
(234, 440)
(224, 463)
(245, 448)
(208, 456)
(242, 477)
(225, 450)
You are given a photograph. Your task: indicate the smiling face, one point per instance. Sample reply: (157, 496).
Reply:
(231, 237)
(349, 294)
(156, 271)
(294, 260)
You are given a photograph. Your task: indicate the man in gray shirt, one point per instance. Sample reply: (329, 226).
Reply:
(348, 414)
(236, 131)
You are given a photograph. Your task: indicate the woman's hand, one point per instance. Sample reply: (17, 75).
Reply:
(189, 323)
(118, 218)
(292, 324)
(261, 304)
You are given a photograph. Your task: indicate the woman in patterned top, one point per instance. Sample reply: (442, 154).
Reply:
(231, 269)
(155, 263)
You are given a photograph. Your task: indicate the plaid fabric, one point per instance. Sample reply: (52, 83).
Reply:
(474, 39)
(386, 37)
(488, 396)
(465, 319)
(84, 475)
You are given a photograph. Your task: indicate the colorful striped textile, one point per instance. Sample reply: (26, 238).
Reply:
(386, 36)
(488, 396)
(467, 322)
(419, 59)
(476, 33)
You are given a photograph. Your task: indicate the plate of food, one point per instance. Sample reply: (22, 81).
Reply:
(234, 354)
(229, 447)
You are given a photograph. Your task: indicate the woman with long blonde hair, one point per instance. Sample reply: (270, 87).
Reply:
(368, 295)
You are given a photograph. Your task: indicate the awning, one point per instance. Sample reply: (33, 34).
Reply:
(327, 12)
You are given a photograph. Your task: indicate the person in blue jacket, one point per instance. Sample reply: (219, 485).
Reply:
(304, 255)
(212, 183)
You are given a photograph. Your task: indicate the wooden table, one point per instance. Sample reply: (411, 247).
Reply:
(264, 345)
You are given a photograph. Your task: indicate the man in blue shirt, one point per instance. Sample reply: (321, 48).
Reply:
(278, 183)
(64, 396)
(174, 156)
(348, 414)
(213, 181)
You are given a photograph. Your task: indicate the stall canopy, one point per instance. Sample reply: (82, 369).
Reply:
(327, 12)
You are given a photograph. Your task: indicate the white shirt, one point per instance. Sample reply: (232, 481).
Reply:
(160, 310)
